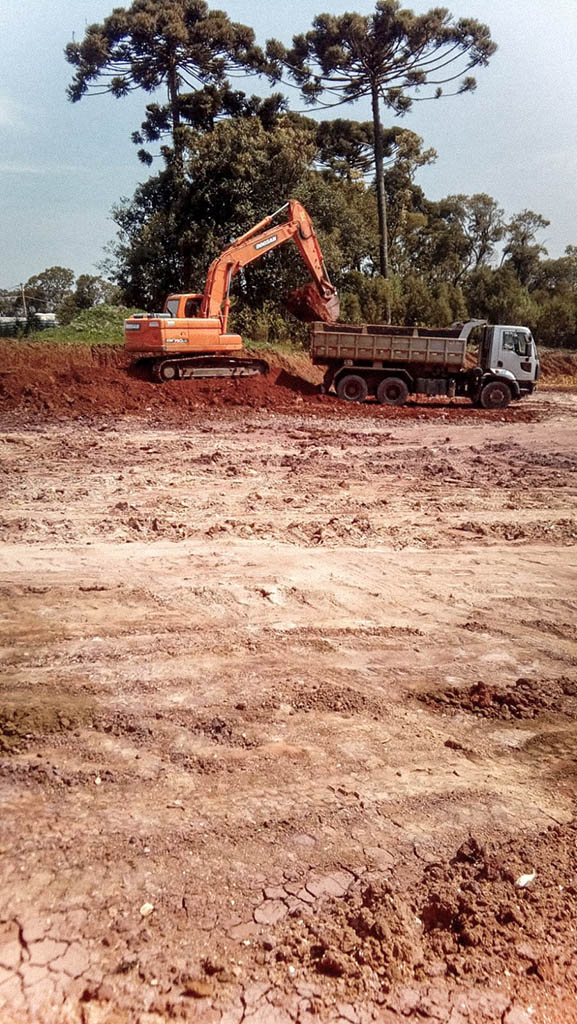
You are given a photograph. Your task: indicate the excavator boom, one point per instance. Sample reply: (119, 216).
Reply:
(262, 238)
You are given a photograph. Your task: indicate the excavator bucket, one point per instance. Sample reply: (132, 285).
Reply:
(308, 304)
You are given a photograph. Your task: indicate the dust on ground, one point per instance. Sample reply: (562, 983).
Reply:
(288, 707)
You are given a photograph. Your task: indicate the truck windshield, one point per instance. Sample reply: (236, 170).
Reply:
(517, 341)
(172, 307)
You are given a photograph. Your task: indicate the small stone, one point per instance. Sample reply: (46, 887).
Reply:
(517, 1016)
(198, 989)
(330, 885)
(243, 932)
(524, 880)
(274, 892)
(146, 909)
(304, 896)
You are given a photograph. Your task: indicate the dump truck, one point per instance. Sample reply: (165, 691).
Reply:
(391, 362)
(189, 338)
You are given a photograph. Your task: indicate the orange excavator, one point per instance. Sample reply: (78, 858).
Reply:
(189, 338)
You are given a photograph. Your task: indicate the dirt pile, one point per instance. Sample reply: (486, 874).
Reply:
(325, 697)
(70, 382)
(63, 382)
(527, 698)
(558, 367)
(23, 720)
(504, 911)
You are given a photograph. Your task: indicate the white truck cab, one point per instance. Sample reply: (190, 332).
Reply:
(509, 351)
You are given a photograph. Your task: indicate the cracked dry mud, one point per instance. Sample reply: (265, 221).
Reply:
(288, 706)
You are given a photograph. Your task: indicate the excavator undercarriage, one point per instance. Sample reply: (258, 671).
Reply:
(189, 367)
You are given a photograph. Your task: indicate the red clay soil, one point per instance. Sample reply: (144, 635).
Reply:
(525, 699)
(45, 381)
(308, 305)
(468, 921)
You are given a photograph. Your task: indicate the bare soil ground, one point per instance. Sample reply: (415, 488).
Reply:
(288, 712)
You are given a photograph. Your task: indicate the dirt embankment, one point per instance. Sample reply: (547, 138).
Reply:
(559, 368)
(68, 382)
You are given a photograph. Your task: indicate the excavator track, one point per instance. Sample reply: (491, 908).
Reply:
(190, 368)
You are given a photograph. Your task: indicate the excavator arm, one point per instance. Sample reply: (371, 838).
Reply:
(260, 240)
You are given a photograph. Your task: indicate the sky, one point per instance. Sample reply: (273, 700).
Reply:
(63, 166)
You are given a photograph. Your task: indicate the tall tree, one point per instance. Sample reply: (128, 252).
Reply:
(346, 148)
(46, 291)
(457, 235)
(388, 56)
(559, 275)
(90, 291)
(522, 251)
(235, 175)
(180, 46)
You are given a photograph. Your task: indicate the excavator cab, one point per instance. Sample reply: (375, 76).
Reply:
(183, 307)
(193, 305)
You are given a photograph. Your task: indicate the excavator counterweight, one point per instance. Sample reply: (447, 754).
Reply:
(190, 339)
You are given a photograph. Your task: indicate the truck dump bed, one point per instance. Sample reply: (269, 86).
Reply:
(391, 345)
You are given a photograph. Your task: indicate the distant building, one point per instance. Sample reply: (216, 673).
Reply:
(38, 321)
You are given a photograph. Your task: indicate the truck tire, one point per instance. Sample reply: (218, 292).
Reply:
(495, 395)
(352, 388)
(392, 391)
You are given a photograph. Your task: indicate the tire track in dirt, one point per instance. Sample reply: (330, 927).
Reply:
(228, 730)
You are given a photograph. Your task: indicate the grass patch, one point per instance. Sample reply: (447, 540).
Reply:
(286, 346)
(101, 325)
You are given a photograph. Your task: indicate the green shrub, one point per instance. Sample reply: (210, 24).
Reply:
(101, 324)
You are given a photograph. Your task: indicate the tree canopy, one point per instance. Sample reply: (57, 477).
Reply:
(390, 56)
(46, 291)
(181, 46)
(231, 158)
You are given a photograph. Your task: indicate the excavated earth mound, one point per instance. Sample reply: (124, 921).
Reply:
(56, 381)
(526, 698)
(491, 912)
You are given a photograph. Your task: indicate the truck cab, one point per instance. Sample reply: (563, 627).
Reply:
(509, 352)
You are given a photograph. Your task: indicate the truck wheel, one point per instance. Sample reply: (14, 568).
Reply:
(352, 388)
(495, 395)
(392, 391)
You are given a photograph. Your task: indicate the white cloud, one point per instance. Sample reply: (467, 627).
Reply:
(15, 168)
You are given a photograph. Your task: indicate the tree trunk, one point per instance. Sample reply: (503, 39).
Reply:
(381, 197)
(173, 99)
(178, 165)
